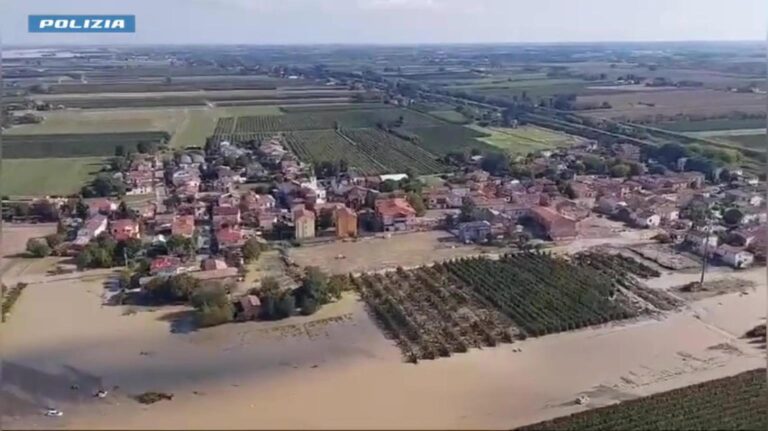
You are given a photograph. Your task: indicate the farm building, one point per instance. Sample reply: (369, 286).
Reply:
(556, 226)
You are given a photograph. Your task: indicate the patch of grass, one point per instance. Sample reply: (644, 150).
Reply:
(525, 139)
(36, 177)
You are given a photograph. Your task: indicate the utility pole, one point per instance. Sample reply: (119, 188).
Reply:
(705, 259)
(2, 114)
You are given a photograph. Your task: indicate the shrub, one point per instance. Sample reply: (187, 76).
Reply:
(214, 315)
(38, 248)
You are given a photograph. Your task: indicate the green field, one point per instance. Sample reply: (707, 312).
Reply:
(525, 139)
(718, 124)
(24, 177)
(450, 116)
(445, 139)
(188, 126)
(755, 142)
(75, 144)
(733, 403)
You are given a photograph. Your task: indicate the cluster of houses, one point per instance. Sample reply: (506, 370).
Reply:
(199, 196)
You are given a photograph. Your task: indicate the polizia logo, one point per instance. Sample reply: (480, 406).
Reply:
(82, 23)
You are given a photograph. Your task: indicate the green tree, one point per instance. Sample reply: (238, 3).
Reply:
(733, 216)
(54, 240)
(285, 306)
(269, 286)
(81, 209)
(593, 164)
(468, 211)
(211, 296)
(208, 316)
(388, 186)
(417, 202)
(314, 287)
(38, 248)
(251, 250)
(620, 170)
(180, 245)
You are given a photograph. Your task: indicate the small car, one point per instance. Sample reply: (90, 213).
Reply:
(53, 412)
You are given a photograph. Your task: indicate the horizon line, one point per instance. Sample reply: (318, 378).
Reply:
(377, 44)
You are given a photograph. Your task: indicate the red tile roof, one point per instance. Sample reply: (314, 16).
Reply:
(163, 262)
(183, 225)
(394, 207)
(226, 211)
(229, 236)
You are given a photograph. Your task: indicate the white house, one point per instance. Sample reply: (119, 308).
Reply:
(610, 206)
(734, 256)
(645, 218)
(393, 177)
(700, 241)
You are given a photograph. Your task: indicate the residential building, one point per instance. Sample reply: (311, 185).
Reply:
(212, 264)
(701, 241)
(124, 229)
(346, 223)
(229, 237)
(474, 231)
(226, 216)
(102, 206)
(304, 222)
(734, 256)
(183, 225)
(645, 218)
(394, 214)
(93, 227)
(556, 226)
(167, 265)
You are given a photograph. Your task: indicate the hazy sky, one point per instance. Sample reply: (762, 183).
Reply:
(399, 21)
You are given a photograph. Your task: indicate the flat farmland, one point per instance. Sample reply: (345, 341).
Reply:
(648, 106)
(753, 142)
(189, 126)
(195, 98)
(736, 402)
(43, 176)
(396, 154)
(321, 119)
(106, 121)
(444, 139)
(526, 139)
(317, 146)
(450, 116)
(713, 125)
(75, 144)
